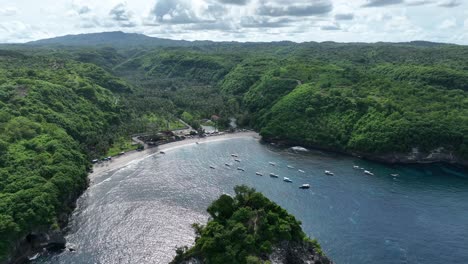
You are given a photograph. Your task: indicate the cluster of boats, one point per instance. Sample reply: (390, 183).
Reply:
(286, 179)
(272, 175)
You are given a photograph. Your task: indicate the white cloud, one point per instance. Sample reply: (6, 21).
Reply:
(242, 20)
(448, 23)
(8, 11)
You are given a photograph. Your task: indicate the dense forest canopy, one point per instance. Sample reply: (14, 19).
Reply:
(63, 103)
(54, 114)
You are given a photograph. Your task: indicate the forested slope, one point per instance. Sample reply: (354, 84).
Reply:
(53, 114)
(61, 105)
(387, 100)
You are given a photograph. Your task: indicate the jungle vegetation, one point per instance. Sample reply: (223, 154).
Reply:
(63, 103)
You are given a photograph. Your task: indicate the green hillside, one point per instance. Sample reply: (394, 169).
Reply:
(54, 115)
(62, 105)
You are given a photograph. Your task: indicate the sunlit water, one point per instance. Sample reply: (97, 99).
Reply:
(140, 213)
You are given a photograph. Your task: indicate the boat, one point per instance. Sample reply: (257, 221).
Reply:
(212, 167)
(356, 167)
(238, 160)
(290, 167)
(300, 149)
(197, 143)
(273, 175)
(241, 169)
(301, 171)
(227, 164)
(162, 152)
(272, 163)
(286, 179)
(368, 173)
(329, 173)
(395, 175)
(34, 257)
(305, 186)
(234, 155)
(258, 173)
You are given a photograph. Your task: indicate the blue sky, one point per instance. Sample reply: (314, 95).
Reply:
(241, 20)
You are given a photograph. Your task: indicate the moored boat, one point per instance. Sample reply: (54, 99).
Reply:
(273, 175)
(329, 173)
(286, 179)
(304, 186)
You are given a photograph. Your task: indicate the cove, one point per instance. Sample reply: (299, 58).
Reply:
(141, 212)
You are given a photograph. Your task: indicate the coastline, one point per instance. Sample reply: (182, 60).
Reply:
(131, 156)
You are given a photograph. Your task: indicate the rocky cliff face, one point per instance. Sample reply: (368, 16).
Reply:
(297, 253)
(287, 253)
(37, 242)
(417, 156)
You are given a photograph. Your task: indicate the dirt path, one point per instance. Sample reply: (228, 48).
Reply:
(122, 161)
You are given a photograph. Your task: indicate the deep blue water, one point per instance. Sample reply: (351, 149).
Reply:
(138, 214)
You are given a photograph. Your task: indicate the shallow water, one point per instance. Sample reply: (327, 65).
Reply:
(140, 213)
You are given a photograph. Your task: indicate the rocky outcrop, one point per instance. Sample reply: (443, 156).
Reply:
(286, 252)
(36, 242)
(416, 156)
(297, 253)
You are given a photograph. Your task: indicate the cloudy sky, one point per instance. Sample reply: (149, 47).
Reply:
(241, 20)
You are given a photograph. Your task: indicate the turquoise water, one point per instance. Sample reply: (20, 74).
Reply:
(140, 213)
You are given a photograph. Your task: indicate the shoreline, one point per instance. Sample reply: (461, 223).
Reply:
(134, 155)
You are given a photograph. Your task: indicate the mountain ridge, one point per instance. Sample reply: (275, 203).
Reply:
(120, 38)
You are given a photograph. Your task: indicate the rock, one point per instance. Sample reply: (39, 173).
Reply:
(297, 253)
(56, 241)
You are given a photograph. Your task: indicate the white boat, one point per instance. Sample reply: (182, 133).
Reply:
(329, 173)
(273, 175)
(212, 167)
(258, 173)
(238, 160)
(272, 163)
(35, 256)
(241, 169)
(227, 164)
(290, 167)
(305, 186)
(395, 175)
(301, 171)
(356, 167)
(368, 173)
(299, 148)
(286, 179)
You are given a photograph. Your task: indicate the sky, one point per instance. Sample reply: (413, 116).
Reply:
(241, 20)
